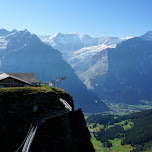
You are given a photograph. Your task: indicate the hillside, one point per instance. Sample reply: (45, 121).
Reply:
(67, 132)
(131, 132)
(127, 79)
(24, 52)
(121, 74)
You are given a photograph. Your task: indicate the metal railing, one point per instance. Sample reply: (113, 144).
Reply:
(33, 130)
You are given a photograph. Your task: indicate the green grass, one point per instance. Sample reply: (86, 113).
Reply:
(97, 128)
(117, 147)
(119, 109)
(128, 126)
(146, 102)
(43, 86)
(28, 90)
(18, 94)
(97, 145)
(123, 109)
(122, 123)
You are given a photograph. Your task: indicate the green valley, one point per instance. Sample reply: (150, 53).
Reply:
(127, 133)
(123, 109)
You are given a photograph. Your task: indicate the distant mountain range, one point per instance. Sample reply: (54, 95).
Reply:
(78, 49)
(76, 46)
(115, 69)
(21, 51)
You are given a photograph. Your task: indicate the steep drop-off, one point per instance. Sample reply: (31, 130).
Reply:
(66, 133)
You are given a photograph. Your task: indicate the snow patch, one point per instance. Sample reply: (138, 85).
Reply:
(3, 42)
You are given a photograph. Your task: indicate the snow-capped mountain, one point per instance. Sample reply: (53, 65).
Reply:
(64, 42)
(120, 74)
(22, 52)
(75, 47)
(126, 71)
(67, 42)
(78, 51)
(3, 41)
(14, 39)
(70, 39)
(115, 69)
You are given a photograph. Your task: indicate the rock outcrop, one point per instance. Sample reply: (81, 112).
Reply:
(66, 133)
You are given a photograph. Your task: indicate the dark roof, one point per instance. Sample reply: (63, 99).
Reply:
(5, 76)
(28, 77)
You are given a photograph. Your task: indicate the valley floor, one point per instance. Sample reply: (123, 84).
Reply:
(117, 147)
(105, 127)
(116, 143)
(124, 109)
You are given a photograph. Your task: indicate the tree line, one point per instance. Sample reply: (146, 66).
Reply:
(138, 136)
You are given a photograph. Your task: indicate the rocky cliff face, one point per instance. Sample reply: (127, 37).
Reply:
(66, 133)
(126, 71)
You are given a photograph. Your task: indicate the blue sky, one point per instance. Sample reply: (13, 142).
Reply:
(93, 17)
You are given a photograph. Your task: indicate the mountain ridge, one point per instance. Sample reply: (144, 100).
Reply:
(127, 77)
(118, 72)
(72, 43)
(25, 52)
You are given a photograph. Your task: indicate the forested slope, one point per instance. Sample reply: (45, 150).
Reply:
(134, 129)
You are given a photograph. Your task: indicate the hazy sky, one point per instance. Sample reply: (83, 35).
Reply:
(94, 17)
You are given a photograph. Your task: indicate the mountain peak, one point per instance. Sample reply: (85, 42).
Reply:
(14, 31)
(3, 32)
(147, 36)
(57, 34)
